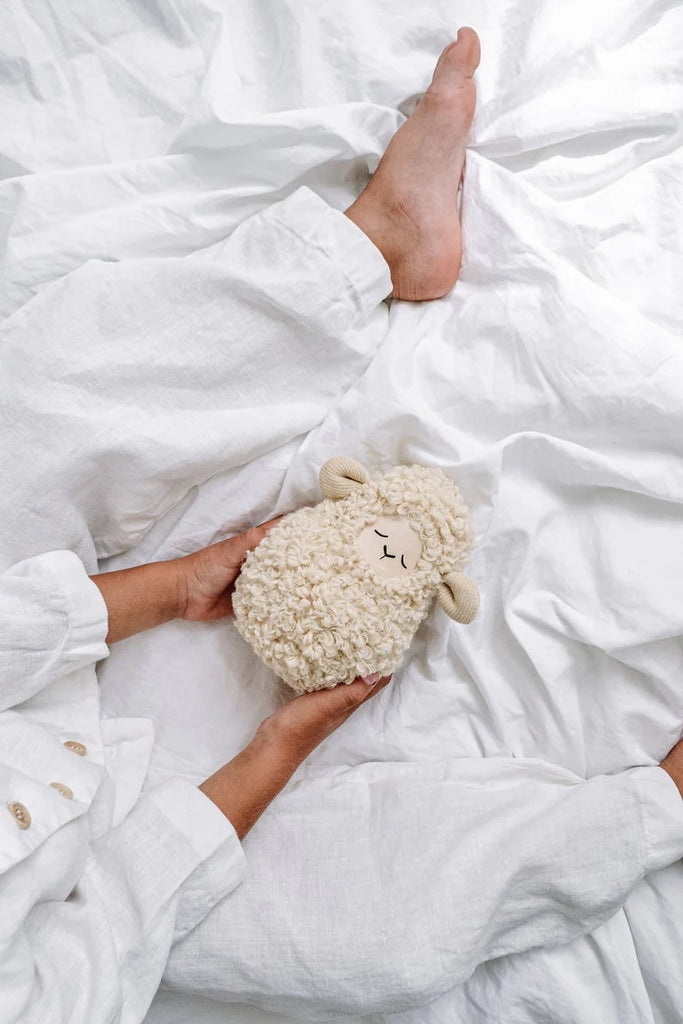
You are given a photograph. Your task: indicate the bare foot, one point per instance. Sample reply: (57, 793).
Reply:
(409, 208)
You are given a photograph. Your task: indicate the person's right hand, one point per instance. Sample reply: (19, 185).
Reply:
(244, 787)
(306, 720)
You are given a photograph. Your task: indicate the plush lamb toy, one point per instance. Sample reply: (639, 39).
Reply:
(338, 590)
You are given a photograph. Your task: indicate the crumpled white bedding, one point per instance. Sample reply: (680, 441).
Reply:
(550, 382)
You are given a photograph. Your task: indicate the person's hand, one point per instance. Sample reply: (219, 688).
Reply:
(207, 577)
(298, 726)
(244, 787)
(197, 587)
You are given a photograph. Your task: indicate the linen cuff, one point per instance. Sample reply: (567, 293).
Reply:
(345, 245)
(88, 615)
(661, 807)
(54, 621)
(220, 859)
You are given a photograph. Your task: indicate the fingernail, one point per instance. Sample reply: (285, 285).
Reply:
(371, 679)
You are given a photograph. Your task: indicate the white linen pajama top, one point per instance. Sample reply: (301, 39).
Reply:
(94, 883)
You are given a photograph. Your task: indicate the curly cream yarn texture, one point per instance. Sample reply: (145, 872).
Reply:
(318, 612)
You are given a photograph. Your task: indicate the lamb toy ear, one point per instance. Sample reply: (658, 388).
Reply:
(458, 596)
(340, 475)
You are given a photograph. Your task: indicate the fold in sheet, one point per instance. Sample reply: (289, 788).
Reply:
(549, 383)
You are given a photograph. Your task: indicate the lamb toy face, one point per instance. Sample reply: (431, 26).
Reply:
(338, 590)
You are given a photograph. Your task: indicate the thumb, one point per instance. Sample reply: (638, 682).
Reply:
(271, 523)
(242, 543)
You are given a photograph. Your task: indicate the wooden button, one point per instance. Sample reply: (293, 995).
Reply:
(64, 790)
(76, 747)
(20, 814)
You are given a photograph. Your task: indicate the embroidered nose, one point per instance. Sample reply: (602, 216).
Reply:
(386, 553)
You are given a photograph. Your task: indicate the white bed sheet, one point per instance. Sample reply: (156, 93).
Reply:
(550, 382)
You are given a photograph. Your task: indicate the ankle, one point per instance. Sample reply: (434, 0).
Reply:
(424, 263)
(371, 219)
(673, 765)
(372, 222)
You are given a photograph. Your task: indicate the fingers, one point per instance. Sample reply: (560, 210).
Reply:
(252, 537)
(242, 543)
(358, 692)
(371, 679)
(343, 698)
(267, 526)
(376, 687)
(309, 718)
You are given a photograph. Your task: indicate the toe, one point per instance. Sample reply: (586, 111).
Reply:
(464, 53)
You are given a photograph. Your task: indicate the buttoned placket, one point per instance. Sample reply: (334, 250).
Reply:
(46, 781)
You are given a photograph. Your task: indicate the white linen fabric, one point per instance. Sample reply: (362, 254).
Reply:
(95, 881)
(573, 850)
(549, 383)
(156, 373)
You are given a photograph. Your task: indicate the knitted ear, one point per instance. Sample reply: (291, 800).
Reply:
(340, 475)
(458, 596)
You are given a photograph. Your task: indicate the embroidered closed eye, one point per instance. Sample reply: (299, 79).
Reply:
(397, 554)
(386, 553)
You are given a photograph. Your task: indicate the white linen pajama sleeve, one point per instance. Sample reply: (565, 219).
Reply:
(54, 621)
(144, 884)
(399, 879)
(88, 915)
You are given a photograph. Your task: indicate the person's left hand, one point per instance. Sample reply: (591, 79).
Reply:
(207, 576)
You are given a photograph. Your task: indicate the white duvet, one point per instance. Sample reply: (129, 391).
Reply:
(550, 383)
